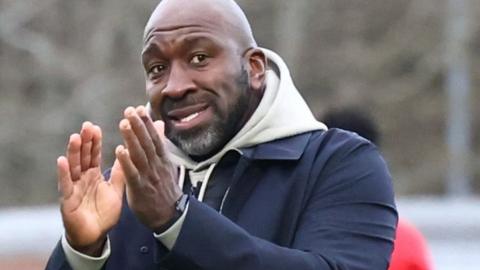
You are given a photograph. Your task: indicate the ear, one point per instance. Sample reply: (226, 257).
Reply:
(257, 66)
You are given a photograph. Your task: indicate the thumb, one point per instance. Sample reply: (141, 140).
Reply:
(117, 177)
(65, 184)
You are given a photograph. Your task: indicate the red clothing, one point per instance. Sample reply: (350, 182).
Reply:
(410, 251)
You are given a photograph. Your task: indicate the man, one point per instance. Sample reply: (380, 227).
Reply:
(244, 178)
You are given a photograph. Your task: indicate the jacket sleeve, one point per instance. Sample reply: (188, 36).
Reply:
(65, 257)
(58, 260)
(348, 222)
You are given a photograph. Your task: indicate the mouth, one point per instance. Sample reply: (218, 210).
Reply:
(189, 116)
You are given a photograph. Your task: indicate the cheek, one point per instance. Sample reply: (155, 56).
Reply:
(225, 80)
(155, 98)
(227, 93)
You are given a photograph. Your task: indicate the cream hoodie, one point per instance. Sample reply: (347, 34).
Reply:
(282, 112)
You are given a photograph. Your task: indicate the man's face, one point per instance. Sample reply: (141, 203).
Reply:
(197, 83)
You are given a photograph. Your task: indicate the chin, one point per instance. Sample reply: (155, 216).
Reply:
(200, 143)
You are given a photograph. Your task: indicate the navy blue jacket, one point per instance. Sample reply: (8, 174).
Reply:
(319, 200)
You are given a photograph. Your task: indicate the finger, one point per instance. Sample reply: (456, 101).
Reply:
(148, 108)
(65, 184)
(96, 153)
(136, 153)
(154, 132)
(73, 156)
(160, 130)
(141, 132)
(131, 173)
(86, 149)
(117, 178)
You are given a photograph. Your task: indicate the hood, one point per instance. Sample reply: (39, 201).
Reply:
(282, 112)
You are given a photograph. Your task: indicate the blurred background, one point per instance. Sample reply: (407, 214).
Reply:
(410, 64)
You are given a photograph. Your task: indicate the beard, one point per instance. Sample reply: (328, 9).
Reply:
(205, 141)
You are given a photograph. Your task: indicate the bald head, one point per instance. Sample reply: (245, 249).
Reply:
(223, 15)
(205, 76)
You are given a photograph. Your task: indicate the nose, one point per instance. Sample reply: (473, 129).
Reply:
(179, 82)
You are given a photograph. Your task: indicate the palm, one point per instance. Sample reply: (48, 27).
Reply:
(93, 208)
(90, 205)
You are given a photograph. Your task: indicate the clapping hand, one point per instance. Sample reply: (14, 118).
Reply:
(90, 205)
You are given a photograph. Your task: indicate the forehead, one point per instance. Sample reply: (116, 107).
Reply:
(184, 32)
(182, 39)
(196, 17)
(178, 31)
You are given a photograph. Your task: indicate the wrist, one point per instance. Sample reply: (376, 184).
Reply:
(180, 206)
(93, 250)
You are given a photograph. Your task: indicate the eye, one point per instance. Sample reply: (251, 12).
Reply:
(198, 58)
(156, 69)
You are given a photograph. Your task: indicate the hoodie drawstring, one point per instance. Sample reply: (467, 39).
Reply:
(181, 177)
(203, 188)
(206, 178)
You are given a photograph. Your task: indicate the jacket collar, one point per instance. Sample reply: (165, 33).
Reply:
(289, 148)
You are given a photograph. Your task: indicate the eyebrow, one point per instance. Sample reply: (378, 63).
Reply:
(151, 48)
(194, 40)
(188, 42)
